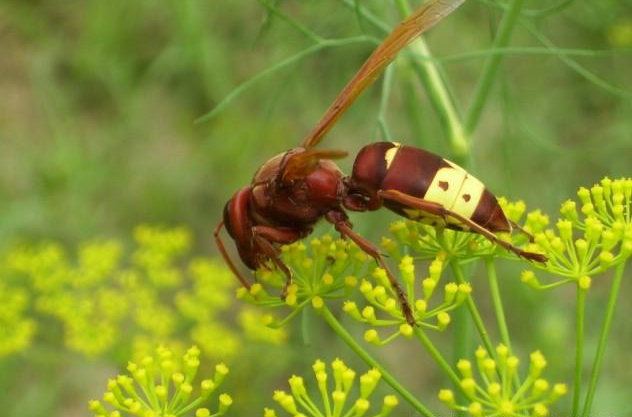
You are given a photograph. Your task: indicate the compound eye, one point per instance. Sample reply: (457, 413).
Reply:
(227, 224)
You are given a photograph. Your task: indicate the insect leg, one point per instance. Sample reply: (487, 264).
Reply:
(521, 230)
(344, 228)
(438, 210)
(264, 236)
(229, 262)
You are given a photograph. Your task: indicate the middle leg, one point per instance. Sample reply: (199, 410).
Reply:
(342, 225)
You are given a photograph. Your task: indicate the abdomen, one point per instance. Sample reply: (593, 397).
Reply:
(422, 174)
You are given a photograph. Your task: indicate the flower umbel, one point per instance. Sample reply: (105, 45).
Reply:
(166, 388)
(324, 269)
(589, 243)
(429, 241)
(337, 403)
(384, 311)
(500, 393)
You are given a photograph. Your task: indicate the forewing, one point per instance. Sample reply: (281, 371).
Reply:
(406, 31)
(302, 164)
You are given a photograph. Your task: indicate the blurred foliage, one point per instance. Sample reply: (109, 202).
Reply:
(97, 135)
(110, 303)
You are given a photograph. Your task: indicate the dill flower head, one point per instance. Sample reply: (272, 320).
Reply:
(164, 386)
(592, 236)
(105, 297)
(16, 331)
(337, 397)
(429, 241)
(383, 311)
(498, 389)
(324, 269)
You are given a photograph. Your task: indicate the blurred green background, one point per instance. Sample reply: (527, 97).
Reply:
(97, 135)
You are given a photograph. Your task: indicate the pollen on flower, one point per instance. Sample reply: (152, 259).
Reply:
(324, 269)
(499, 391)
(154, 377)
(335, 393)
(384, 312)
(591, 240)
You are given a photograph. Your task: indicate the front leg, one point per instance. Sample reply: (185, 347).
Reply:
(265, 237)
(438, 210)
(342, 225)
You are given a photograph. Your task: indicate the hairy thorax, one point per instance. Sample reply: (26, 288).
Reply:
(295, 203)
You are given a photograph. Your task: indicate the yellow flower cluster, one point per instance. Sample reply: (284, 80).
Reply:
(500, 392)
(586, 244)
(16, 331)
(382, 301)
(104, 298)
(163, 386)
(335, 403)
(324, 269)
(428, 241)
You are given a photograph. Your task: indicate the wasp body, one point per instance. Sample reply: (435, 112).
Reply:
(294, 190)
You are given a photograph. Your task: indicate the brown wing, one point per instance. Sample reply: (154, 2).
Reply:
(406, 31)
(302, 164)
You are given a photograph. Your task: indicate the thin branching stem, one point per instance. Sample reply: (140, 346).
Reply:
(490, 70)
(603, 338)
(436, 355)
(457, 269)
(494, 289)
(580, 316)
(329, 43)
(366, 357)
(438, 92)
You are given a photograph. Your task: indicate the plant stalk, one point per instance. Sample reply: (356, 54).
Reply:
(476, 316)
(492, 64)
(497, 301)
(603, 338)
(366, 357)
(580, 314)
(436, 355)
(438, 93)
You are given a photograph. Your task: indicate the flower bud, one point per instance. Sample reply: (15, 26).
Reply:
(465, 367)
(446, 396)
(390, 402)
(406, 330)
(225, 401)
(372, 336)
(420, 306)
(540, 410)
(407, 269)
(475, 409)
(351, 308)
(584, 282)
(443, 319)
(317, 302)
(296, 386)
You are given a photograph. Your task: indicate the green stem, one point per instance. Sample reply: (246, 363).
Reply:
(490, 70)
(580, 313)
(497, 301)
(476, 316)
(603, 338)
(366, 357)
(462, 341)
(436, 355)
(428, 72)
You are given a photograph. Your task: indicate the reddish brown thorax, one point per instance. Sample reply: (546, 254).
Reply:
(269, 201)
